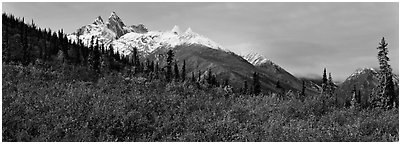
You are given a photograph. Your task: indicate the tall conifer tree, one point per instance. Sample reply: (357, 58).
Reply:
(386, 97)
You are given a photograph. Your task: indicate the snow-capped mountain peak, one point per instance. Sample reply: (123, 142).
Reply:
(176, 30)
(361, 71)
(124, 38)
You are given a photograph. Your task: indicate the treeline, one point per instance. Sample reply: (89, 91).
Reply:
(26, 43)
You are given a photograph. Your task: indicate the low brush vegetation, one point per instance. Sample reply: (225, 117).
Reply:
(46, 102)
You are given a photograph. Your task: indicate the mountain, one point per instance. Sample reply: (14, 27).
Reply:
(273, 70)
(365, 80)
(225, 65)
(152, 40)
(199, 52)
(106, 32)
(123, 39)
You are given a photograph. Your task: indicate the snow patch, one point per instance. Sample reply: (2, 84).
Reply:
(361, 71)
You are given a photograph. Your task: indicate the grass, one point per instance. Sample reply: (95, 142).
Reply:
(66, 103)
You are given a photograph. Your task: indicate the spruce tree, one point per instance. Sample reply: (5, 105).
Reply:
(176, 71)
(303, 88)
(91, 55)
(6, 49)
(111, 50)
(156, 67)
(147, 66)
(279, 87)
(65, 46)
(193, 77)
(169, 60)
(213, 81)
(324, 81)
(45, 48)
(156, 70)
(330, 85)
(152, 66)
(96, 58)
(183, 72)
(386, 97)
(256, 84)
(209, 77)
(245, 88)
(24, 44)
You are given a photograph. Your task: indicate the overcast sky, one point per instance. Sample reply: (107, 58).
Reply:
(303, 38)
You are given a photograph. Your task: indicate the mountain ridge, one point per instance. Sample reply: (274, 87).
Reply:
(364, 79)
(199, 51)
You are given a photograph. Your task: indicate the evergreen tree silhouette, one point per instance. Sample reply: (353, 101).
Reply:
(256, 84)
(96, 58)
(170, 57)
(330, 86)
(324, 81)
(193, 77)
(176, 71)
(6, 49)
(245, 88)
(279, 87)
(209, 76)
(303, 88)
(386, 97)
(183, 72)
(24, 41)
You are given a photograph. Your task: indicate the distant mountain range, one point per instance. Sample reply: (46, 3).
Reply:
(199, 52)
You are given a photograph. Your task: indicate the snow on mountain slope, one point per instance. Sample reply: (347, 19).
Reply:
(98, 29)
(152, 40)
(258, 60)
(124, 39)
(104, 35)
(361, 71)
(255, 58)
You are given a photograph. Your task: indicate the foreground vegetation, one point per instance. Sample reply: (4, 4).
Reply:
(67, 103)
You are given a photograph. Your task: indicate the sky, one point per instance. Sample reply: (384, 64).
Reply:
(303, 38)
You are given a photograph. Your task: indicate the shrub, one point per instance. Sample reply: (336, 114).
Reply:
(44, 103)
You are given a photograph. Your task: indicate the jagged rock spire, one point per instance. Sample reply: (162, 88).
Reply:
(115, 19)
(116, 24)
(98, 21)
